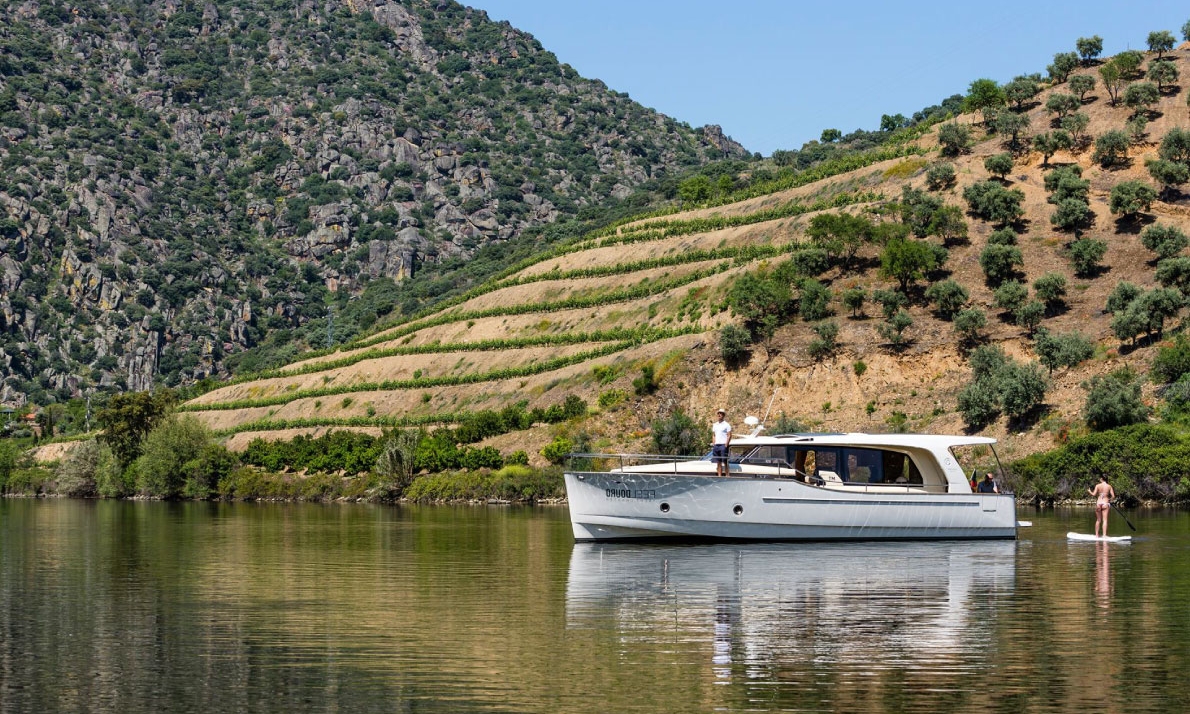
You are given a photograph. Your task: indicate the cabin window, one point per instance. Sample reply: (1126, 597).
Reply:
(853, 465)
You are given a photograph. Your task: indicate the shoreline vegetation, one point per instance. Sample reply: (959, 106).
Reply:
(149, 450)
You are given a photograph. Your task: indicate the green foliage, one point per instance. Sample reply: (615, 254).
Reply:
(1088, 48)
(1139, 96)
(1161, 41)
(854, 298)
(893, 330)
(1062, 104)
(1142, 461)
(1051, 289)
(1029, 315)
(128, 418)
(1003, 236)
(1013, 126)
(841, 235)
(1011, 295)
(679, 435)
(762, 300)
(999, 164)
(1129, 198)
(1163, 73)
(1072, 214)
(1076, 124)
(999, 384)
(827, 332)
(1172, 362)
(940, 176)
(1175, 146)
(180, 458)
(1114, 400)
(954, 139)
(646, 383)
(397, 460)
(969, 323)
(1062, 350)
(1085, 254)
(1168, 173)
(1121, 295)
(994, 203)
(1114, 78)
(814, 300)
(733, 344)
(515, 483)
(1111, 148)
(907, 261)
(1175, 273)
(984, 95)
(1064, 63)
(1066, 182)
(948, 297)
(1021, 90)
(1051, 142)
(1000, 262)
(1080, 84)
(558, 450)
(890, 301)
(10, 459)
(1165, 240)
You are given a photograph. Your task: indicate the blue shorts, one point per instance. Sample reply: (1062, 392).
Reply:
(719, 453)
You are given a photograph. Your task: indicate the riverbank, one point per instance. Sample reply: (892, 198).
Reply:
(511, 484)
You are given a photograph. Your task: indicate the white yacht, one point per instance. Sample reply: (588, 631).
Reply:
(791, 487)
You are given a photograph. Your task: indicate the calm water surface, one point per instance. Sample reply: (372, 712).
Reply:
(156, 607)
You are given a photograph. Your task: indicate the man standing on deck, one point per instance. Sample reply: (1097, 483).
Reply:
(722, 440)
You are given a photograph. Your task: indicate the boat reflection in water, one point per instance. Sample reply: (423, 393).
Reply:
(857, 605)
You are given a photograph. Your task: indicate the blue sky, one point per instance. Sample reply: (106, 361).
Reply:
(775, 74)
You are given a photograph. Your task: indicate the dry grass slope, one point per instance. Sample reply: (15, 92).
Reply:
(917, 386)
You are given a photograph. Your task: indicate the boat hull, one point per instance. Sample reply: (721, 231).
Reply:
(608, 506)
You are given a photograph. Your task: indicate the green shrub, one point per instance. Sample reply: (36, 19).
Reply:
(1164, 240)
(999, 164)
(678, 434)
(968, 323)
(1085, 254)
(1114, 400)
(646, 383)
(172, 454)
(1131, 197)
(556, 451)
(940, 176)
(814, 301)
(948, 297)
(1172, 362)
(1051, 289)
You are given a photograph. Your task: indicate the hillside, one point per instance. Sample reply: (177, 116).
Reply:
(183, 181)
(585, 319)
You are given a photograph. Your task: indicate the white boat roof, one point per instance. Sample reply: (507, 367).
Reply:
(919, 441)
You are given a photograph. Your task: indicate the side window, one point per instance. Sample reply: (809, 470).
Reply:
(864, 465)
(899, 468)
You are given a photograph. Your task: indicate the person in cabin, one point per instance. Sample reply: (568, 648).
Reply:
(1103, 494)
(988, 484)
(722, 439)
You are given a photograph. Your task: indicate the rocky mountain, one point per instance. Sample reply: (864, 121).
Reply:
(181, 179)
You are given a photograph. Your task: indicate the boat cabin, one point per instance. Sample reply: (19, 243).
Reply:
(822, 463)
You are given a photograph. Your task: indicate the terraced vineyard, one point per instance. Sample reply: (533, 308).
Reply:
(587, 317)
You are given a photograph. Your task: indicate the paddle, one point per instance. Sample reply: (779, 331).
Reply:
(1122, 516)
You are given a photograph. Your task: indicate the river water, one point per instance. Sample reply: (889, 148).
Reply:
(196, 607)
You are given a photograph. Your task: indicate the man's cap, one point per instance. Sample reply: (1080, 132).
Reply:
(721, 411)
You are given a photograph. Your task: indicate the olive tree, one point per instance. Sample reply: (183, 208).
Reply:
(1011, 295)
(1072, 214)
(1164, 240)
(999, 262)
(1114, 400)
(948, 297)
(1139, 96)
(1013, 126)
(1085, 254)
(1062, 104)
(1129, 198)
(954, 139)
(1080, 84)
(1175, 146)
(1064, 63)
(1113, 80)
(1051, 290)
(994, 203)
(1161, 41)
(1168, 174)
(1076, 124)
(1111, 148)
(999, 165)
(1051, 142)
(969, 322)
(940, 176)
(984, 96)
(1164, 73)
(907, 261)
(1089, 48)
(1021, 90)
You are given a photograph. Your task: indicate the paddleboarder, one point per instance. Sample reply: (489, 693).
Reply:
(1103, 494)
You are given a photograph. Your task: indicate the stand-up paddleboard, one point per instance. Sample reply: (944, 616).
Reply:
(1099, 539)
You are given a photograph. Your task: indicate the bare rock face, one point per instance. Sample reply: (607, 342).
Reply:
(232, 146)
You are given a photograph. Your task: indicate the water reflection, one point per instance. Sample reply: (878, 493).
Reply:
(834, 607)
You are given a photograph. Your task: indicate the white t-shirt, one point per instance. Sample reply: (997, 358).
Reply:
(722, 431)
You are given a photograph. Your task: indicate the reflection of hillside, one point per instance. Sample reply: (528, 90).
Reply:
(801, 606)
